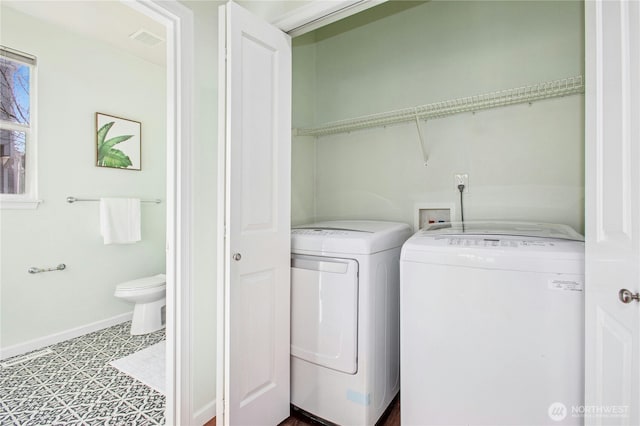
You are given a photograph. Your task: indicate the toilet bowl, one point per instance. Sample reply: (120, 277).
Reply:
(149, 296)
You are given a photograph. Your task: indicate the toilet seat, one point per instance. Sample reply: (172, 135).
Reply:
(147, 283)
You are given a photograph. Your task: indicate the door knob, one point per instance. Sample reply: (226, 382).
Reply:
(237, 256)
(626, 296)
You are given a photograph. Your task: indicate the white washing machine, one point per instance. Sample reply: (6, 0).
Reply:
(492, 325)
(345, 319)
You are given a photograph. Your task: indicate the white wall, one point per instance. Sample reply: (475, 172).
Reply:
(205, 172)
(76, 78)
(524, 162)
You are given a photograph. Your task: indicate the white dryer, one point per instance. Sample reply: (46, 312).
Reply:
(492, 325)
(345, 319)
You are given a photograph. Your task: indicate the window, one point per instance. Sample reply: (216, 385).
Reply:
(17, 134)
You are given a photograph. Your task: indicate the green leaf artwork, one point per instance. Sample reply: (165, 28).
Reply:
(108, 156)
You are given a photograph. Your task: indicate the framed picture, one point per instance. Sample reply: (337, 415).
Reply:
(118, 142)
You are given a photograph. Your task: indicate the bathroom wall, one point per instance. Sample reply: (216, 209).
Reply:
(78, 77)
(525, 162)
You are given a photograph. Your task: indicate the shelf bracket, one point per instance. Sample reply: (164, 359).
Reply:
(425, 157)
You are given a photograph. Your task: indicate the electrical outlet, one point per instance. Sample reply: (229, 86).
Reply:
(461, 179)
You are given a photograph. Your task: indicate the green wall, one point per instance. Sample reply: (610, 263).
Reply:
(525, 162)
(77, 77)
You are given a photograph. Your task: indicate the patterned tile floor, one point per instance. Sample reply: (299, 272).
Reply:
(75, 385)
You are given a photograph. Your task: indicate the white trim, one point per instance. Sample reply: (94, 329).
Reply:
(18, 127)
(18, 56)
(52, 339)
(19, 204)
(29, 199)
(319, 13)
(205, 414)
(222, 205)
(178, 21)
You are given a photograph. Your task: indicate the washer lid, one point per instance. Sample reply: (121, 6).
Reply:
(513, 246)
(349, 236)
(520, 229)
(141, 283)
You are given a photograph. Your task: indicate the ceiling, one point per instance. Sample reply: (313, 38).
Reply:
(272, 10)
(109, 21)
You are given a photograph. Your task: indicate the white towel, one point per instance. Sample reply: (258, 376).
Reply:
(120, 220)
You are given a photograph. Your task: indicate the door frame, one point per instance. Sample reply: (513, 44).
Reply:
(178, 21)
(611, 351)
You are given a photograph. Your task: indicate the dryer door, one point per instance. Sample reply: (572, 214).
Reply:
(324, 311)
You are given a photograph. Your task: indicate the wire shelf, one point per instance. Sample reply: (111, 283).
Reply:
(525, 94)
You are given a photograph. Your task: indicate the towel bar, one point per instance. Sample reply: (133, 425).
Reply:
(74, 199)
(34, 270)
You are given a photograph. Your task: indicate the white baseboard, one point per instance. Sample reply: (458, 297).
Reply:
(52, 339)
(205, 414)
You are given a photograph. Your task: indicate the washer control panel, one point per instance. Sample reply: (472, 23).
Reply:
(494, 242)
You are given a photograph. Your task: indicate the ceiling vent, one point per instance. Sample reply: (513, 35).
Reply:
(146, 37)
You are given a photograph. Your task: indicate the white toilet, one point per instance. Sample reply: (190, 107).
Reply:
(149, 296)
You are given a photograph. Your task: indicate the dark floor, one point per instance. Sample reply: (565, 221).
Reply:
(391, 418)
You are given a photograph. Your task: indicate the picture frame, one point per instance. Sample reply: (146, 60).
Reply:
(118, 142)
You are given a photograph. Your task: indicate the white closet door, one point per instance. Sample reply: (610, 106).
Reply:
(612, 332)
(257, 107)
